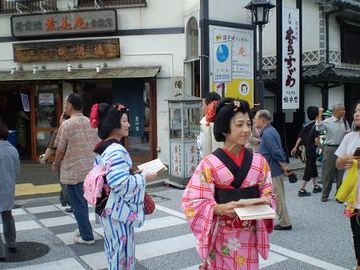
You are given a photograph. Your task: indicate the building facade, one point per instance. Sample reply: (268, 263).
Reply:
(107, 51)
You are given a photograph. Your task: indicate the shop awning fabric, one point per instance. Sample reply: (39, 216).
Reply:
(81, 74)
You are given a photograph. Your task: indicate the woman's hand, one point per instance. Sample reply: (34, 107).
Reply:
(227, 209)
(345, 162)
(293, 151)
(150, 176)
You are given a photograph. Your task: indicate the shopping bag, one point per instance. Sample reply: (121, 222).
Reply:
(348, 189)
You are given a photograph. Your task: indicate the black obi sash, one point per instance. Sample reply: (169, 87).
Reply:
(235, 193)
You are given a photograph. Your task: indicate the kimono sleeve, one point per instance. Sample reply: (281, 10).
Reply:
(198, 205)
(117, 163)
(265, 185)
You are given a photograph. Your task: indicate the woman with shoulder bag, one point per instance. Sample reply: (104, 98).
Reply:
(124, 209)
(346, 156)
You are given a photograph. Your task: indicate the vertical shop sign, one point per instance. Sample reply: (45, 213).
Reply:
(232, 62)
(291, 59)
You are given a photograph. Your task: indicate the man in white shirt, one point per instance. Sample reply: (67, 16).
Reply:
(336, 127)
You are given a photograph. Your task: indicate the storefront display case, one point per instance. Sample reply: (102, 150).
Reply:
(184, 127)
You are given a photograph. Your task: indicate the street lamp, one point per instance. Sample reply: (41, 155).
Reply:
(260, 10)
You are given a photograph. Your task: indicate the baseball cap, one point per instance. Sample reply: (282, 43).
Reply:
(328, 112)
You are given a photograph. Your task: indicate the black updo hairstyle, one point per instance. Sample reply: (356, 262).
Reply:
(109, 118)
(225, 111)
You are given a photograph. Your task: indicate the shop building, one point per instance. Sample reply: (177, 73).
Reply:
(129, 51)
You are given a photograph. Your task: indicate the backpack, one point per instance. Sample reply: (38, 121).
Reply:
(94, 184)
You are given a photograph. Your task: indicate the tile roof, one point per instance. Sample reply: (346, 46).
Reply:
(323, 73)
(341, 3)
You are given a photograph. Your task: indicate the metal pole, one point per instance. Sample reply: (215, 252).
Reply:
(261, 81)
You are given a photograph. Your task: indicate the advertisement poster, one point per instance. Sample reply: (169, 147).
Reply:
(25, 102)
(291, 59)
(46, 99)
(234, 76)
(222, 62)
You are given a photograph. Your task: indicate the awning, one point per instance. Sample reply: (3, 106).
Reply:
(81, 74)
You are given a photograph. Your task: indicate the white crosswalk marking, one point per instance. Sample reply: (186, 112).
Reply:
(24, 225)
(165, 246)
(58, 265)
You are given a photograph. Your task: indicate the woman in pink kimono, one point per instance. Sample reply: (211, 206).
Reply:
(219, 182)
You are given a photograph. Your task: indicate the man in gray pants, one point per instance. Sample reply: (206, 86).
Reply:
(335, 127)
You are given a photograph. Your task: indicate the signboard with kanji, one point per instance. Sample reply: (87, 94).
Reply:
(291, 59)
(67, 50)
(232, 62)
(64, 23)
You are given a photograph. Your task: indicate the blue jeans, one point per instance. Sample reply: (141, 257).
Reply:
(80, 210)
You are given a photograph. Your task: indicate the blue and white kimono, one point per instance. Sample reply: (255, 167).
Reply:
(124, 209)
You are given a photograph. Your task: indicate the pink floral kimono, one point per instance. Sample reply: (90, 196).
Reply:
(226, 243)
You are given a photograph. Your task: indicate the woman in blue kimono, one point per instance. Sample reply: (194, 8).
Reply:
(124, 209)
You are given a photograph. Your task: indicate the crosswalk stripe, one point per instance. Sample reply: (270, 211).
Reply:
(170, 211)
(24, 225)
(159, 223)
(165, 246)
(56, 265)
(57, 221)
(273, 259)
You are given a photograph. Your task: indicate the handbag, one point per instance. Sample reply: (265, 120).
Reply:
(347, 190)
(149, 204)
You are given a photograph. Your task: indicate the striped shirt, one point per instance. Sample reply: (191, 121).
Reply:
(335, 129)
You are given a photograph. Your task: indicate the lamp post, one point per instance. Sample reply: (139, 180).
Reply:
(260, 10)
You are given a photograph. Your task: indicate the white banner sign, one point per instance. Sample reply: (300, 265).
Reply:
(291, 59)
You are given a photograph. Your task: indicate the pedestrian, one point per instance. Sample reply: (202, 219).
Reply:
(206, 141)
(9, 168)
(309, 137)
(50, 152)
(124, 209)
(345, 157)
(74, 158)
(221, 179)
(254, 141)
(271, 148)
(336, 127)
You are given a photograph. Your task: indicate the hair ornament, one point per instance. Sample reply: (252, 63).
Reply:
(94, 116)
(120, 107)
(211, 112)
(235, 104)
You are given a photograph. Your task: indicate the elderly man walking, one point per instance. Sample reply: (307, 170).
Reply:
(74, 157)
(271, 148)
(335, 127)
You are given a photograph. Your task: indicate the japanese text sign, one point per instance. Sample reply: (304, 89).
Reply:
(64, 23)
(290, 59)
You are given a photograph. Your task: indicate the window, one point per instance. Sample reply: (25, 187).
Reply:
(350, 40)
(26, 6)
(107, 3)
